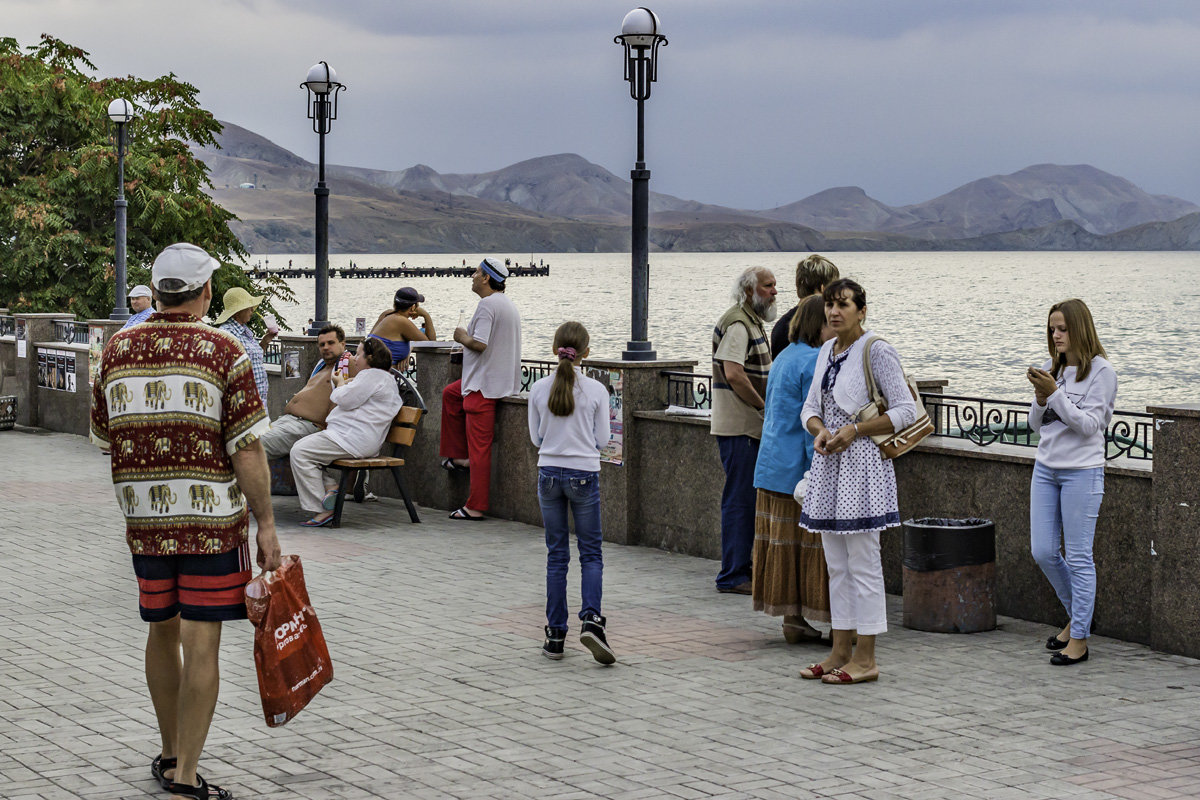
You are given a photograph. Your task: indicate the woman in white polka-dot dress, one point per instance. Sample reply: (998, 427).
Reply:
(851, 493)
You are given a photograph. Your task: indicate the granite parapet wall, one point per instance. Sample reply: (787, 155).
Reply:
(666, 493)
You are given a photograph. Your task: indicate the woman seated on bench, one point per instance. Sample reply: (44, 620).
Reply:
(364, 406)
(397, 328)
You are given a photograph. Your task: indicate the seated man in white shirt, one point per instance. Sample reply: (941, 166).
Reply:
(357, 426)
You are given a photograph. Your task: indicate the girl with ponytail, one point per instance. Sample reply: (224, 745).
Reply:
(568, 423)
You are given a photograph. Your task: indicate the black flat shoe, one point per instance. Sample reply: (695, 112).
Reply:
(1055, 643)
(1064, 660)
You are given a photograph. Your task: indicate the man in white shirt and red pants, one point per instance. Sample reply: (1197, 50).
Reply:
(491, 370)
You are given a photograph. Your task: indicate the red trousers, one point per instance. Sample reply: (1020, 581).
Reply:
(467, 427)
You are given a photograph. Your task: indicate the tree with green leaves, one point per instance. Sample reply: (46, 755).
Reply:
(58, 181)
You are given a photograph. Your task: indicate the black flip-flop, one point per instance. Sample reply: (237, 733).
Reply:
(205, 791)
(461, 513)
(449, 465)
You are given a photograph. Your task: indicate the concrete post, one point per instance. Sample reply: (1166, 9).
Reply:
(642, 389)
(284, 385)
(38, 328)
(427, 482)
(1174, 536)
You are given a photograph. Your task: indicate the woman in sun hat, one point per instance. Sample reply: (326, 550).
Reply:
(396, 328)
(235, 319)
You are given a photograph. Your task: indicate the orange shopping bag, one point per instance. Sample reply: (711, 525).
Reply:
(289, 648)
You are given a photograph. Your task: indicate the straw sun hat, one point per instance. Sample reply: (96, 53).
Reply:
(237, 299)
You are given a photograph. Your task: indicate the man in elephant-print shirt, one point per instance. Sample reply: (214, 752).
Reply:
(175, 402)
(174, 399)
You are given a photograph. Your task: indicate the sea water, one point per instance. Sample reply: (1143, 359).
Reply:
(975, 319)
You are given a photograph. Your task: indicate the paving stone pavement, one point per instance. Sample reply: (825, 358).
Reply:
(440, 690)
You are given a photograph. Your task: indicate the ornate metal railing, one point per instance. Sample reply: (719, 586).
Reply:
(688, 389)
(976, 419)
(8, 326)
(985, 422)
(70, 332)
(273, 354)
(533, 371)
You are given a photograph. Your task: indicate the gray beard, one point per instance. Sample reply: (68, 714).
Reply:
(768, 311)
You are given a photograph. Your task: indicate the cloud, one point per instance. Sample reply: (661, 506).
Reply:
(757, 104)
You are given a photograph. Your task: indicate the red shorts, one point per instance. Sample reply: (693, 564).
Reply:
(206, 588)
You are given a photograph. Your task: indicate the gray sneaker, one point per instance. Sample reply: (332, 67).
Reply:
(592, 637)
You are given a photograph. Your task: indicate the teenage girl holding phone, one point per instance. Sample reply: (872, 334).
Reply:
(568, 423)
(1075, 392)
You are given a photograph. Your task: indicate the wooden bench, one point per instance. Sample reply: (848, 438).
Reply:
(401, 435)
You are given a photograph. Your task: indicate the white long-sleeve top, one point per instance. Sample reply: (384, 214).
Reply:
(572, 442)
(850, 388)
(1072, 423)
(363, 411)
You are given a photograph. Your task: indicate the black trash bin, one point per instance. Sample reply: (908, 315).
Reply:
(950, 575)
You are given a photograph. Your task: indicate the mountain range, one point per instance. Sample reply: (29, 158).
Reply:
(564, 203)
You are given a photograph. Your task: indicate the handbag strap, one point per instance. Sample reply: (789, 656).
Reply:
(872, 387)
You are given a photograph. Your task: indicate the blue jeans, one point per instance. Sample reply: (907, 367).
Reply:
(738, 456)
(1067, 501)
(558, 488)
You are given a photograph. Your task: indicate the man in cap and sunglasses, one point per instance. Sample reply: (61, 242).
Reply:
(491, 370)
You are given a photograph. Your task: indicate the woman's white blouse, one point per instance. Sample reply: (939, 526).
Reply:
(850, 388)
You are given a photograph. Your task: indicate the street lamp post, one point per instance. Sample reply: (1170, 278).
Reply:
(323, 87)
(120, 112)
(641, 38)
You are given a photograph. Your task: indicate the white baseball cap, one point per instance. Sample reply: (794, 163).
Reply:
(181, 268)
(141, 290)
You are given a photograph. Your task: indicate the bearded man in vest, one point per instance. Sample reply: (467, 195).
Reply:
(741, 359)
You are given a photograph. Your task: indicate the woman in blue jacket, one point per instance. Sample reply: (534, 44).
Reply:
(790, 578)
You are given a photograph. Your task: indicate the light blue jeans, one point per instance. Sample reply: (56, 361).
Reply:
(559, 489)
(1063, 507)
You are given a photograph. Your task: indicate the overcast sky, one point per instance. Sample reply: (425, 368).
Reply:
(758, 102)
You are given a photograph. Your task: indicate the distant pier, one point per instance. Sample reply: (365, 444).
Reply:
(402, 271)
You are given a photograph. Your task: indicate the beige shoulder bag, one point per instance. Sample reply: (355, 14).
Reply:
(896, 444)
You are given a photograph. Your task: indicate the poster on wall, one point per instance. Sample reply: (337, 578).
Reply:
(291, 364)
(56, 370)
(611, 453)
(360, 326)
(95, 351)
(21, 352)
